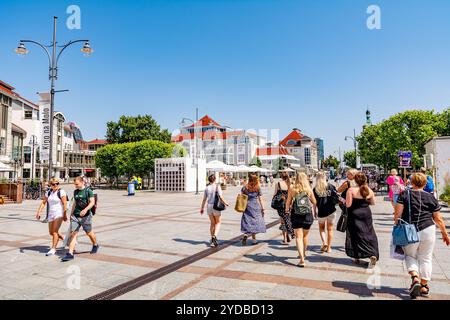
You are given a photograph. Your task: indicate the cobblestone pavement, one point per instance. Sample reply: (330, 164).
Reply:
(149, 231)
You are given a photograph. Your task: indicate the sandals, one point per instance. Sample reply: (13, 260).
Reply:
(424, 293)
(324, 248)
(373, 262)
(301, 264)
(415, 288)
(244, 240)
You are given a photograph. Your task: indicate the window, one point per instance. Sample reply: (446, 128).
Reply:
(27, 155)
(4, 117)
(307, 156)
(28, 114)
(26, 173)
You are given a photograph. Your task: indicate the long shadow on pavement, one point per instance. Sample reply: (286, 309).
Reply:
(362, 290)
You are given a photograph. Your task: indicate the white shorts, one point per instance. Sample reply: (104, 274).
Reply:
(330, 219)
(52, 216)
(210, 210)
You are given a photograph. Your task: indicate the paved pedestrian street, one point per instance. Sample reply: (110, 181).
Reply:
(149, 234)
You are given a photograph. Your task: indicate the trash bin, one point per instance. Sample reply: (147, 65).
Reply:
(131, 189)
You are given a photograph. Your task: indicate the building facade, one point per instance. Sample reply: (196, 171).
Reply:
(216, 142)
(21, 141)
(303, 148)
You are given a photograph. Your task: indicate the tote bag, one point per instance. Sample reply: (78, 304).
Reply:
(241, 203)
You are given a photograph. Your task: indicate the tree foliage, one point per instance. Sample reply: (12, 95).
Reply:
(331, 161)
(134, 129)
(409, 130)
(350, 159)
(134, 158)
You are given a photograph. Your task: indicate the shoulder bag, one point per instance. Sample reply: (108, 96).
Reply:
(218, 203)
(405, 233)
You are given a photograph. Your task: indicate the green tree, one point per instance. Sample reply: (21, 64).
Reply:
(256, 162)
(134, 158)
(331, 161)
(134, 129)
(410, 130)
(350, 159)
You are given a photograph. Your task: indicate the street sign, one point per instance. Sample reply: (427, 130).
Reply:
(404, 159)
(44, 116)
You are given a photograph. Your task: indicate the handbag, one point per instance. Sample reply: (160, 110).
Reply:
(241, 203)
(278, 200)
(405, 233)
(218, 203)
(341, 225)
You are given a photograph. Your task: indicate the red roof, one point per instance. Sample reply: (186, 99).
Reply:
(295, 135)
(6, 87)
(271, 151)
(211, 135)
(206, 121)
(97, 141)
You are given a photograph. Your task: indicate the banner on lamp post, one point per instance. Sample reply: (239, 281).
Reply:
(44, 116)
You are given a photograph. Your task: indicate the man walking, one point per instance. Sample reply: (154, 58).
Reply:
(81, 217)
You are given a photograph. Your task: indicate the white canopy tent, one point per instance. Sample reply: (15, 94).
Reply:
(219, 166)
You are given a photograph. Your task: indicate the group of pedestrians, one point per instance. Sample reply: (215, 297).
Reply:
(302, 204)
(56, 203)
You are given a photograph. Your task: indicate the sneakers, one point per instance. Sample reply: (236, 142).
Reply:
(94, 249)
(214, 241)
(51, 252)
(67, 257)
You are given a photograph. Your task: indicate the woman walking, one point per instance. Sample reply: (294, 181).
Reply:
(252, 221)
(214, 215)
(300, 206)
(396, 186)
(56, 201)
(282, 192)
(326, 197)
(348, 183)
(361, 240)
(420, 208)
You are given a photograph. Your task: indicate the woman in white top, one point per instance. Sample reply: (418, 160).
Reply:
(214, 215)
(56, 200)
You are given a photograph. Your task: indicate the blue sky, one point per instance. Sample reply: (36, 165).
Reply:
(262, 64)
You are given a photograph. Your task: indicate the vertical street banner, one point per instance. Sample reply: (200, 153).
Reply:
(44, 117)
(404, 159)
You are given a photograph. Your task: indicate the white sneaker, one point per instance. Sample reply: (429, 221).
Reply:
(51, 252)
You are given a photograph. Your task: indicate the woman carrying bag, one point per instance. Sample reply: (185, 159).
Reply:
(421, 209)
(216, 203)
(252, 221)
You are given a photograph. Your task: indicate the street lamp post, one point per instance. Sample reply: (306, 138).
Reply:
(53, 60)
(33, 143)
(354, 145)
(195, 160)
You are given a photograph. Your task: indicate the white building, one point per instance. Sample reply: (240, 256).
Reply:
(215, 142)
(275, 158)
(437, 158)
(303, 148)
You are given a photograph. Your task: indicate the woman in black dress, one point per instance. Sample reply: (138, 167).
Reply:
(361, 240)
(282, 188)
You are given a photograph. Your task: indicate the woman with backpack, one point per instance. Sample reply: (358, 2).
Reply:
(327, 199)
(279, 204)
(252, 221)
(300, 205)
(212, 190)
(56, 202)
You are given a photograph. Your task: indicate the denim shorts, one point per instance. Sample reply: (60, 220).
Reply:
(81, 222)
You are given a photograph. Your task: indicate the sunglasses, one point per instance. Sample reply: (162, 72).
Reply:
(55, 184)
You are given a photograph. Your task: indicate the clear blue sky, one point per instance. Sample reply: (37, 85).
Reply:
(248, 64)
